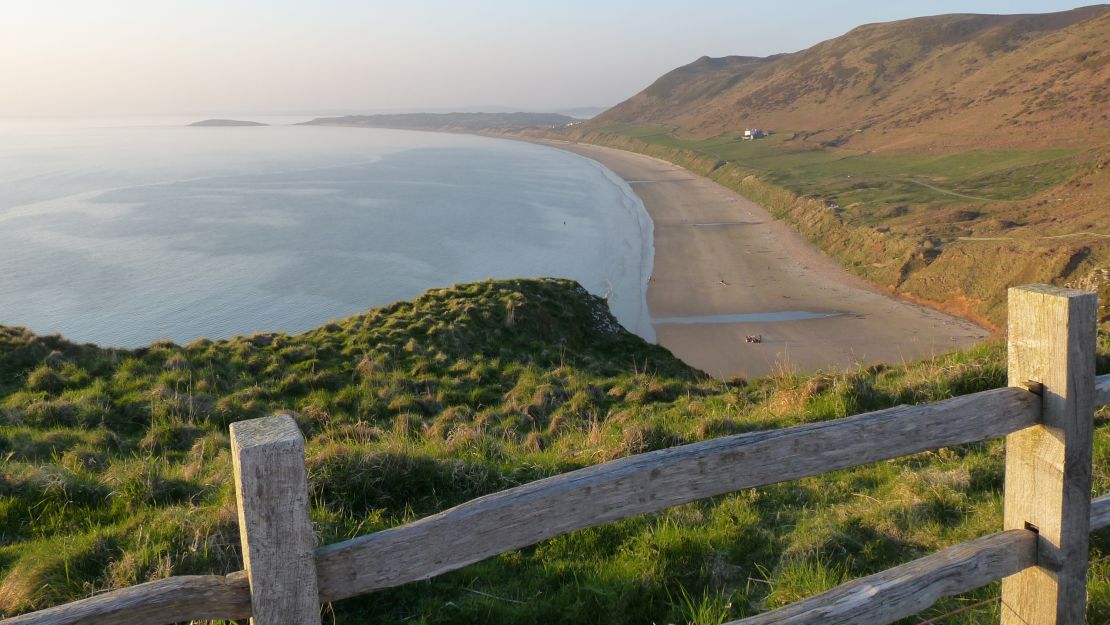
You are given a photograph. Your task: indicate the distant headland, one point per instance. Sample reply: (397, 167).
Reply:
(226, 122)
(464, 122)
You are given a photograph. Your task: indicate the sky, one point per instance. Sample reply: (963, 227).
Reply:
(165, 57)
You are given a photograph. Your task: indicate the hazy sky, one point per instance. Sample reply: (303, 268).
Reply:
(126, 57)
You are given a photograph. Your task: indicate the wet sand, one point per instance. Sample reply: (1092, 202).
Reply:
(724, 269)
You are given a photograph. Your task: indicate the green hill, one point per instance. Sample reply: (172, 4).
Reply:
(958, 81)
(117, 467)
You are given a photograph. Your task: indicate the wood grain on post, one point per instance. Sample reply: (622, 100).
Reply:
(1048, 466)
(271, 488)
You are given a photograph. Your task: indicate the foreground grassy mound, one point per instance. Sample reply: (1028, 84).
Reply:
(117, 469)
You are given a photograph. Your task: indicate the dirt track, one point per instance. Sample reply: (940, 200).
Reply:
(718, 254)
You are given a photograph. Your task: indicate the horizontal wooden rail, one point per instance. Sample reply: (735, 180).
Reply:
(172, 600)
(1100, 512)
(200, 597)
(910, 588)
(654, 481)
(1102, 390)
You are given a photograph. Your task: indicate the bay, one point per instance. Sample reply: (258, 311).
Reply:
(126, 233)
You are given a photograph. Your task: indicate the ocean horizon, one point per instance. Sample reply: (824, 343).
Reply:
(125, 233)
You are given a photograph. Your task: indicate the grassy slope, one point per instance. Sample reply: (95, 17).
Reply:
(117, 467)
(946, 82)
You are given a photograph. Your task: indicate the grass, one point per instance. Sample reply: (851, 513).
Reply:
(117, 467)
(852, 177)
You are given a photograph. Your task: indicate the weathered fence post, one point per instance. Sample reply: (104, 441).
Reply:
(1048, 466)
(271, 488)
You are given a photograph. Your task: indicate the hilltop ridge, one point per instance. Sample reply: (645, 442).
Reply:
(946, 81)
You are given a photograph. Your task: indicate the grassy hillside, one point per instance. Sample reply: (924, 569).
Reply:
(117, 469)
(946, 82)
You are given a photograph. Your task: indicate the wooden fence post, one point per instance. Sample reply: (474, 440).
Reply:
(1048, 466)
(271, 488)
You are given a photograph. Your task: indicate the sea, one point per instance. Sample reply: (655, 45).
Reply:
(123, 232)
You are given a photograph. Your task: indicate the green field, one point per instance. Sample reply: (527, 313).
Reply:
(117, 467)
(878, 181)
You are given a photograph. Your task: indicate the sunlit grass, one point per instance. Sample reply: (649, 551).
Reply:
(118, 471)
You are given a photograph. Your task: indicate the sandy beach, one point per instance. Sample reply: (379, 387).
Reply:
(725, 269)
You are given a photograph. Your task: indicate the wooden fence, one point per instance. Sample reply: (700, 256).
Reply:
(1046, 415)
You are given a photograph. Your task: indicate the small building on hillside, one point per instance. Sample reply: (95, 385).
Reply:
(752, 134)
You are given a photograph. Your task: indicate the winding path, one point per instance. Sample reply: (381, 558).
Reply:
(947, 192)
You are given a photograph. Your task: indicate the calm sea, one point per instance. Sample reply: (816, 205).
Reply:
(126, 233)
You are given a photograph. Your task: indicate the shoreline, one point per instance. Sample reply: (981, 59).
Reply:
(645, 327)
(724, 269)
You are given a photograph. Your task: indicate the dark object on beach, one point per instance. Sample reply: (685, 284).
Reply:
(754, 339)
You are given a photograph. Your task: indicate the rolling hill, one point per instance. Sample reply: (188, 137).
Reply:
(947, 81)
